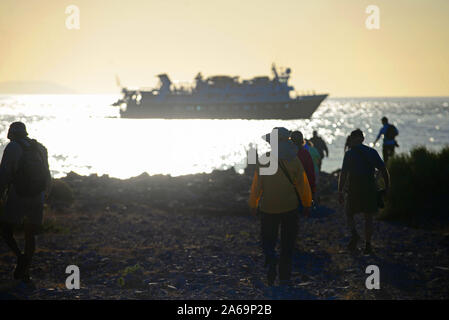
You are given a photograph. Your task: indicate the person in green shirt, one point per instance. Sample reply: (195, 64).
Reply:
(316, 159)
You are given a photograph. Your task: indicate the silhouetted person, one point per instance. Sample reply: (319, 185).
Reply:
(320, 145)
(24, 173)
(280, 198)
(348, 146)
(359, 164)
(306, 159)
(389, 132)
(316, 158)
(348, 143)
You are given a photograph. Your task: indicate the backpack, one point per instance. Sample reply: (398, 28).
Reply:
(32, 171)
(391, 132)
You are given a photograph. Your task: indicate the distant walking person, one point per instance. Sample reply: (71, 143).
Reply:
(279, 198)
(316, 158)
(358, 169)
(389, 132)
(320, 145)
(24, 173)
(305, 157)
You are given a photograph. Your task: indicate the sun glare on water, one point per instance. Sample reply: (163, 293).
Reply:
(84, 133)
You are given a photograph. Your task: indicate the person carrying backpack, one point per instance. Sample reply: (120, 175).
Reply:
(279, 199)
(389, 132)
(25, 176)
(358, 169)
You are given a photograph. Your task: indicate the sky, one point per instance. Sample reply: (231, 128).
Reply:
(325, 42)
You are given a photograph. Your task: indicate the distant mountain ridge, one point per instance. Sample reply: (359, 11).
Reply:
(33, 87)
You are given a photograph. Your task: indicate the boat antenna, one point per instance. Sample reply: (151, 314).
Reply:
(273, 68)
(117, 81)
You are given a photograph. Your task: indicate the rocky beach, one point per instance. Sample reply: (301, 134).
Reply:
(192, 237)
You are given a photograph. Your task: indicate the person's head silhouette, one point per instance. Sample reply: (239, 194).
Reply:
(297, 138)
(356, 137)
(17, 130)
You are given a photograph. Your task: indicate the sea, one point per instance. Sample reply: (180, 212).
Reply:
(85, 134)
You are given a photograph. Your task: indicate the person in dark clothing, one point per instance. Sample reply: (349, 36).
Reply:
(320, 145)
(348, 143)
(389, 132)
(359, 165)
(270, 225)
(306, 160)
(20, 208)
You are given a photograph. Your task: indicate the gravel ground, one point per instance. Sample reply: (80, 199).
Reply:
(191, 237)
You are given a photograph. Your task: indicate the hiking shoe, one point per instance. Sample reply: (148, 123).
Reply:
(271, 274)
(368, 249)
(352, 245)
(28, 281)
(26, 275)
(21, 266)
(285, 283)
(22, 270)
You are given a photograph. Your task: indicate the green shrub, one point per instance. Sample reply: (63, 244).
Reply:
(419, 188)
(61, 195)
(52, 226)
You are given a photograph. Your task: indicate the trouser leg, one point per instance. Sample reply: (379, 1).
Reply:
(350, 220)
(30, 241)
(7, 232)
(368, 226)
(269, 235)
(289, 232)
(385, 153)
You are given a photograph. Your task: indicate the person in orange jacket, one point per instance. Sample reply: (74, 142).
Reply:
(280, 198)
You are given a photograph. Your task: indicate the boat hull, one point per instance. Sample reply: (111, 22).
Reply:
(301, 108)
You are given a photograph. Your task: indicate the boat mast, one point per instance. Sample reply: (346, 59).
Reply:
(273, 68)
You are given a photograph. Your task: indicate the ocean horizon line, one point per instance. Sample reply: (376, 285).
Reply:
(329, 97)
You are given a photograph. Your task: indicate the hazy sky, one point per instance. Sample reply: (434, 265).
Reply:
(325, 42)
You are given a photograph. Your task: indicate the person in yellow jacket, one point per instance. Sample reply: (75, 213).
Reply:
(280, 199)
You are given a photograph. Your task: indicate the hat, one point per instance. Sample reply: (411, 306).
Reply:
(287, 150)
(17, 129)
